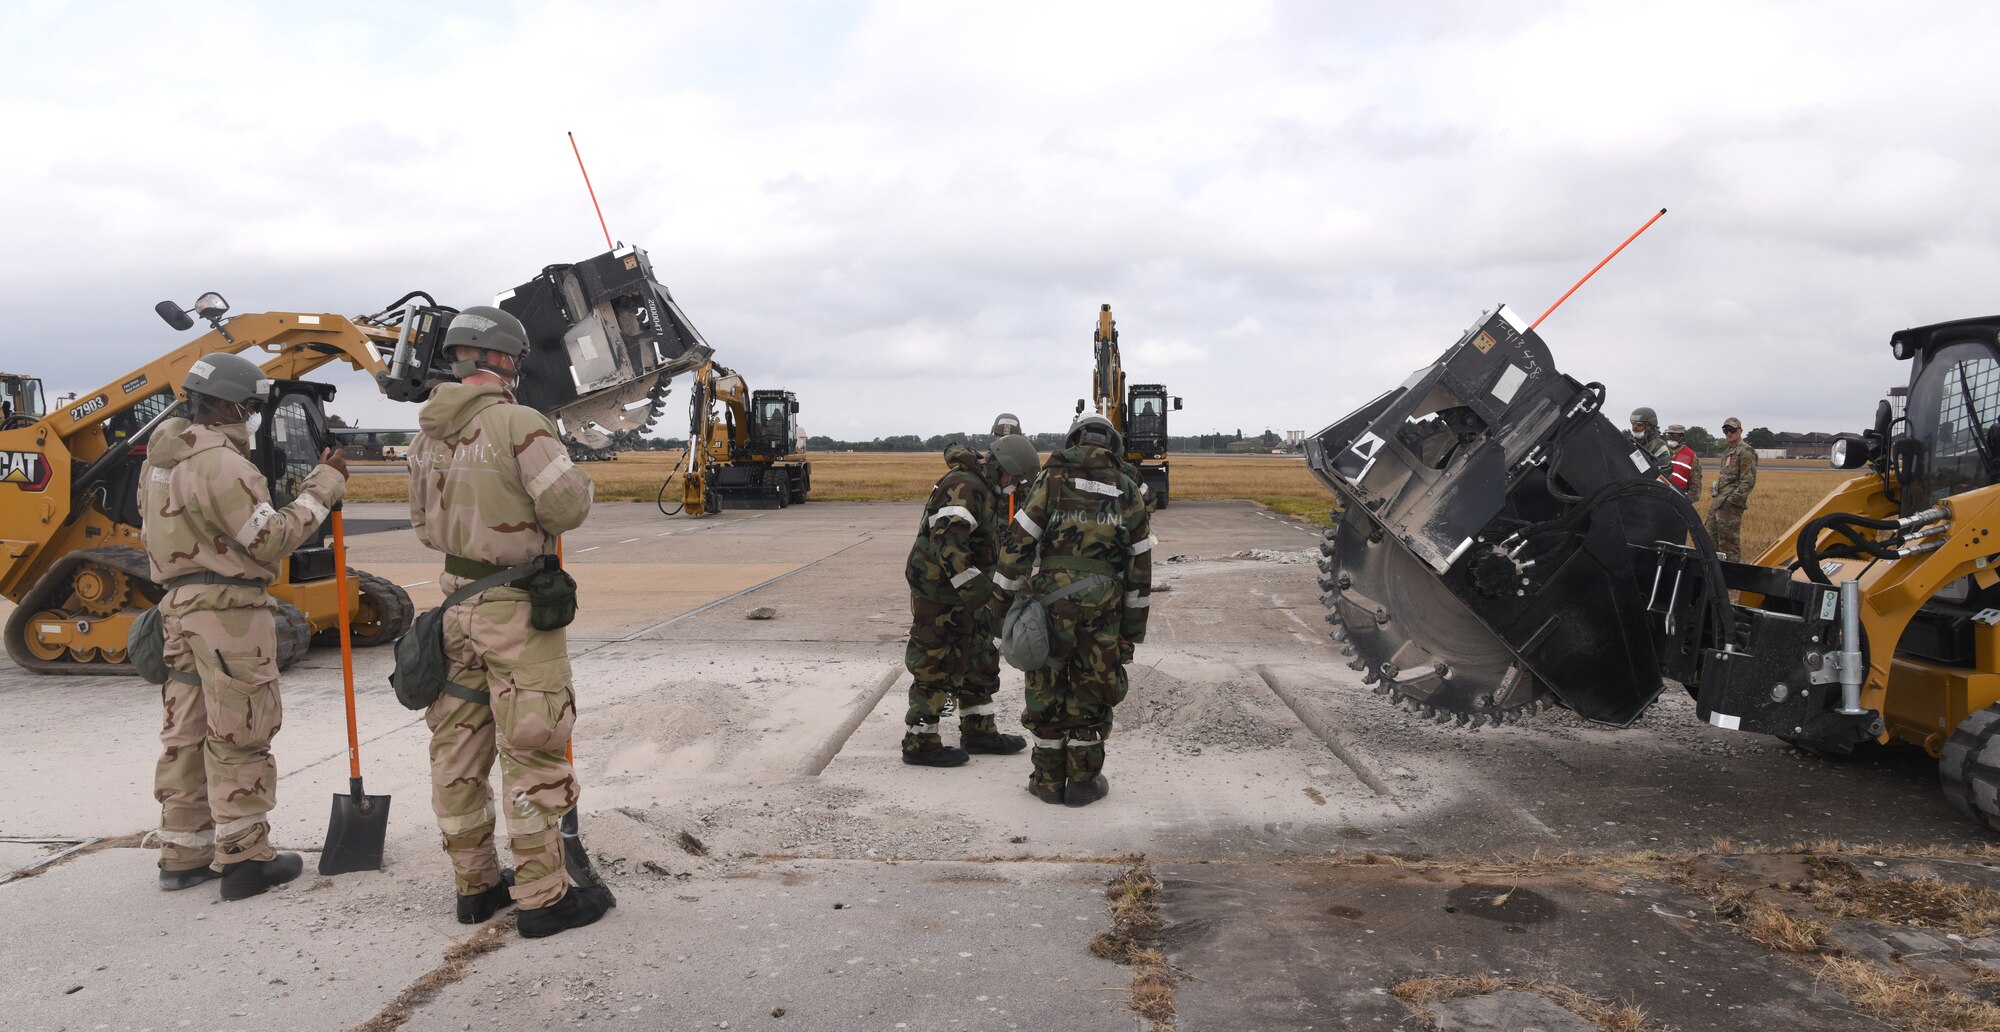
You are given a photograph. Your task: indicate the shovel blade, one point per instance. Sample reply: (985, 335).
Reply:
(355, 833)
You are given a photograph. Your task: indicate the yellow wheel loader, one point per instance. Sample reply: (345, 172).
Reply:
(1502, 546)
(606, 338)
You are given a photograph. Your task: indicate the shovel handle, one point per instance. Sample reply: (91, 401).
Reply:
(346, 647)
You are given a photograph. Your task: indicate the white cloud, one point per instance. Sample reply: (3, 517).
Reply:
(909, 212)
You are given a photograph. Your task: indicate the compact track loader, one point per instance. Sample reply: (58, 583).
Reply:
(1502, 546)
(606, 337)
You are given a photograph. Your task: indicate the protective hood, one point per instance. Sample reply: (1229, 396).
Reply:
(1082, 457)
(177, 440)
(453, 405)
(963, 457)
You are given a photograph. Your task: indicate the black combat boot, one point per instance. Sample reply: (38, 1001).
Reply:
(1044, 791)
(478, 907)
(927, 751)
(581, 905)
(175, 881)
(991, 742)
(248, 878)
(1084, 793)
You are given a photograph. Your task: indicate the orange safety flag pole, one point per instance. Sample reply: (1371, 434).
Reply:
(593, 190)
(1594, 268)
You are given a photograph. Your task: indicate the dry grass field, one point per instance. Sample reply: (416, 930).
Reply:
(1785, 491)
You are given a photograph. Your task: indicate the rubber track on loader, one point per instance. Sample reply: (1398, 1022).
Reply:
(1411, 639)
(54, 587)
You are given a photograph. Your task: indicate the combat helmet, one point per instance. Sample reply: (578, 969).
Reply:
(225, 377)
(1097, 431)
(1006, 423)
(1017, 456)
(1645, 415)
(488, 328)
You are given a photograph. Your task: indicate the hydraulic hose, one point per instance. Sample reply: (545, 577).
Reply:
(1844, 524)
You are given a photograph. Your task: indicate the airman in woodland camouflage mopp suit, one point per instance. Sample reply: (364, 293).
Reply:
(491, 486)
(215, 541)
(1086, 522)
(953, 614)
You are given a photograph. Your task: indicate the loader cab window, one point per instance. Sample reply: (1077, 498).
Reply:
(771, 414)
(289, 443)
(1955, 414)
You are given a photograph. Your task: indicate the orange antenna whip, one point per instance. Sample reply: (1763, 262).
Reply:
(1593, 270)
(607, 230)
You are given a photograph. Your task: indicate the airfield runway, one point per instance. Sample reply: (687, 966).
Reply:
(778, 867)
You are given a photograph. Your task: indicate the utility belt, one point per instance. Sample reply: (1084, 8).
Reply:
(206, 577)
(1078, 564)
(419, 677)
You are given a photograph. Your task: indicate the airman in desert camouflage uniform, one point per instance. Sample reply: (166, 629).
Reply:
(491, 486)
(950, 656)
(1735, 476)
(215, 540)
(1082, 519)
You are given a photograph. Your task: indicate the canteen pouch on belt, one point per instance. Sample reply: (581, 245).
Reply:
(146, 646)
(551, 597)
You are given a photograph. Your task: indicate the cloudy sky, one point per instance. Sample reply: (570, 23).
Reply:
(909, 212)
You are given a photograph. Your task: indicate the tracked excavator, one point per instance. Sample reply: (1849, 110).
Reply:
(744, 447)
(1138, 413)
(1502, 546)
(607, 337)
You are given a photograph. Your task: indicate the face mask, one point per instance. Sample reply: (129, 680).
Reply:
(464, 367)
(254, 423)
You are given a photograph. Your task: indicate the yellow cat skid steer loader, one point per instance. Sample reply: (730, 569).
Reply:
(1502, 546)
(606, 339)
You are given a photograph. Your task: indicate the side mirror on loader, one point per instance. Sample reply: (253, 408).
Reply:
(174, 316)
(1177, 404)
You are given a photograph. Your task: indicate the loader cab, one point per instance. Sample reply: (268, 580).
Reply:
(286, 448)
(21, 400)
(771, 422)
(1146, 420)
(1952, 441)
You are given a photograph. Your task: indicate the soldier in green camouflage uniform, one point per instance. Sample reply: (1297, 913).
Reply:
(1646, 434)
(1735, 477)
(492, 486)
(950, 655)
(1085, 521)
(215, 540)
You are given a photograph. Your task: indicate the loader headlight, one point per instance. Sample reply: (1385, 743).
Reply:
(210, 305)
(1849, 451)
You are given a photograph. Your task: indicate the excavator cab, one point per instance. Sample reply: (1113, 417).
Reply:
(1146, 420)
(771, 415)
(21, 400)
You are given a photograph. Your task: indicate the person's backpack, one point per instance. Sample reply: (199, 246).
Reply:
(1024, 634)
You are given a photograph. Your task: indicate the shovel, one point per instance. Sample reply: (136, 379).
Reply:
(360, 822)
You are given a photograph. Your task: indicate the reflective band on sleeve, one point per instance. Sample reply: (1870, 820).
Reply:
(255, 524)
(548, 476)
(981, 710)
(1034, 529)
(1008, 583)
(1144, 546)
(311, 505)
(1045, 743)
(1095, 486)
(950, 511)
(190, 839)
(968, 573)
(239, 825)
(1134, 600)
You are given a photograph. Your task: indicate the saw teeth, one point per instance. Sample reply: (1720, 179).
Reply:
(1357, 663)
(1338, 634)
(1369, 676)
(1380, 689)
